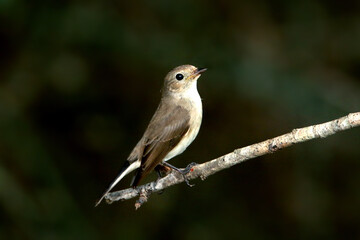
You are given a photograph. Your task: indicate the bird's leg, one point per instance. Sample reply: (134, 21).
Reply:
(158, 173)
(162, 170)
(182, 172)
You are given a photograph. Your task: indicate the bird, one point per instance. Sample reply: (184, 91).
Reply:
(173, 127)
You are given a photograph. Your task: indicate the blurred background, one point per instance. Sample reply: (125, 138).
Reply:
(80, 80)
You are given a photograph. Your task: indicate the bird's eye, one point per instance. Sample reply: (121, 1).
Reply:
(179, 76)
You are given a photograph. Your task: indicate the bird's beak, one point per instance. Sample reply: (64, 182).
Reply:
(198, 72)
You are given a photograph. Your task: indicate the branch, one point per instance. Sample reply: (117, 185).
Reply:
(237, 156)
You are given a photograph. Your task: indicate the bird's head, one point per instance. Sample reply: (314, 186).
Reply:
(182, 78)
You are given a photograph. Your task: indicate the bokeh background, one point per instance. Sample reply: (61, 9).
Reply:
(79, 81)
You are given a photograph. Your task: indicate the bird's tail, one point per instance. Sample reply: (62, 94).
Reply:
(127, 168)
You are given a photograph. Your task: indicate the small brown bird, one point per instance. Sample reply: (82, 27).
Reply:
(171, 130)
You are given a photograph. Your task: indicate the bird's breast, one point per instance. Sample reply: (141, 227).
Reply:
(194, 105)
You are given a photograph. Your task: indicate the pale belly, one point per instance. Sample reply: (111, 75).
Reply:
(186, 141)
(192, 132)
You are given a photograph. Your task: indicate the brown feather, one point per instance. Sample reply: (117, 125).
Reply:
(167, 127)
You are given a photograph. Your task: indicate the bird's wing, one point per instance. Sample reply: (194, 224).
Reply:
(167, 127)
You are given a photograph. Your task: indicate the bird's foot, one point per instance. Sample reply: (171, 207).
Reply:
(189, 168)
(183, 172)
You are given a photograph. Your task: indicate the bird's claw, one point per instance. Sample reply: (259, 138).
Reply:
(186, 171)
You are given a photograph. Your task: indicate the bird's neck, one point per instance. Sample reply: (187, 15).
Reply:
(190, 93)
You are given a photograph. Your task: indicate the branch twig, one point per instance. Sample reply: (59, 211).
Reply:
(237, 156)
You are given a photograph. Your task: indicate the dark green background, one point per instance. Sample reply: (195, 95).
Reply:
(79, 81)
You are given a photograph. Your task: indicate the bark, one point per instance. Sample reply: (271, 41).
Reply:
(237, 156)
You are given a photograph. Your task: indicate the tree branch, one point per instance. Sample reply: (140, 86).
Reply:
(237, 156)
